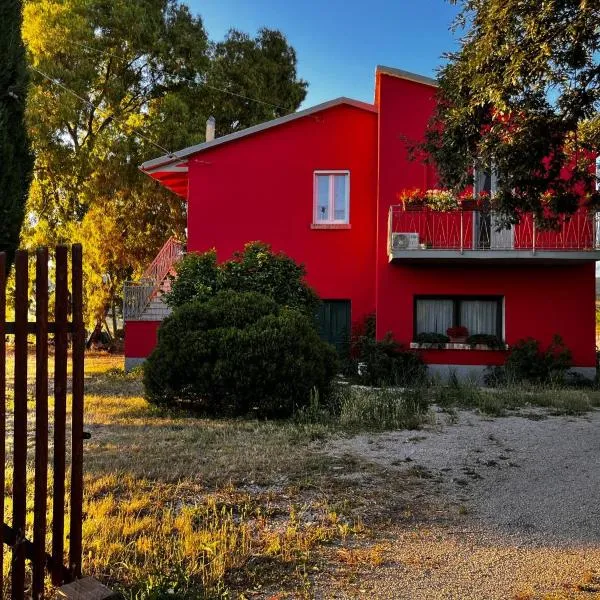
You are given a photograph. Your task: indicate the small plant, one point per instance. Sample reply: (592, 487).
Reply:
(458, 331)
(382, 410)
(381, 362)
(528, 362)
(485, 339)
(438, 339)
(385, 362)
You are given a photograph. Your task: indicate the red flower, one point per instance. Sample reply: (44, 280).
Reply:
(457, 332)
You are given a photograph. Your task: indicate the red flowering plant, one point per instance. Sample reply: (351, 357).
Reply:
(434, 199)
(411, 199)
(459, 331)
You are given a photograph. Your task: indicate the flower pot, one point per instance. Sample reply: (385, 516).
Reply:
(458, 340)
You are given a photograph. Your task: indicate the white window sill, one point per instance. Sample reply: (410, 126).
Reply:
(452, 346)
(330, 226)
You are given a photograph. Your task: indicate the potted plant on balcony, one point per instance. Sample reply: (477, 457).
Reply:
(458, 334)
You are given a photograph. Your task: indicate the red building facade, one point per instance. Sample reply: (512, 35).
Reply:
(322, 186)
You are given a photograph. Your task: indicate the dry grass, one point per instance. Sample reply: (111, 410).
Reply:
(504, 400)
(184, 507)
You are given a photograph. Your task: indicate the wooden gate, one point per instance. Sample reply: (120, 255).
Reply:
(66, 304)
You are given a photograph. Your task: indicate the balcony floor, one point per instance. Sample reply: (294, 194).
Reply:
(554, 257)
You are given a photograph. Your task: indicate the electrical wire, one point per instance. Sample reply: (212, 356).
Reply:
(97, 108)
(202, 83)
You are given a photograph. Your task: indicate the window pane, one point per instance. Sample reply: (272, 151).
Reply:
(340, 183)
(322, 197)
(434, 316)
(483, 182)
(479, 316)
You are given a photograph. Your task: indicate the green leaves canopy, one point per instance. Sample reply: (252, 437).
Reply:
(522, 94)
(15, 157)
(145, 75)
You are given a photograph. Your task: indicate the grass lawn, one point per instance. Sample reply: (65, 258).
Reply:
(178, 506)
(183, 507)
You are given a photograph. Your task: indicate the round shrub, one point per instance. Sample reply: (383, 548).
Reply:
(238, 353)
(385, 362)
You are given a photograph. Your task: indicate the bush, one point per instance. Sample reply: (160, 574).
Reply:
(385, 362)
(491, 341)
(255, 269)
(380, 363)
(238, 353)
(431, 338)
(528, 362)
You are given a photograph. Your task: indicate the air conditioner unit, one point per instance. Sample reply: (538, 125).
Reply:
(405, 241)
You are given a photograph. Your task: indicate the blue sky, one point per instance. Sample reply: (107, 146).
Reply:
(339, 43)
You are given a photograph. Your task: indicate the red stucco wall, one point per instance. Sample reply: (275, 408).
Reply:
(140, 338)
(540, 300)
(261, 188)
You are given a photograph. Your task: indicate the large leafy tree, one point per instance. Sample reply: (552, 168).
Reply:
(130, 79)
(15, 157)
(522, 96)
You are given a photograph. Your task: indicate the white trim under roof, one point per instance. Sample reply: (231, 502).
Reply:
(406, 75)
(161, 163)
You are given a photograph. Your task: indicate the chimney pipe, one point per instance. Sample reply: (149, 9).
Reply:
(210, 129)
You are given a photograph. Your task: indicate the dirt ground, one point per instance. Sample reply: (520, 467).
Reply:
(513, 511)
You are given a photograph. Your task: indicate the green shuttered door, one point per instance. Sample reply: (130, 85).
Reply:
(334, 323)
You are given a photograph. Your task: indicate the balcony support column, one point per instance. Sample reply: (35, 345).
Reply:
(461, 231)
(533, 236)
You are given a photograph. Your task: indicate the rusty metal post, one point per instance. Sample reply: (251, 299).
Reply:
(40, 502)
(60, 404)
(78, 351)
(20, 424)
(2, 401)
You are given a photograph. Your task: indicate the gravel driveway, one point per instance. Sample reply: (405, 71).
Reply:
(521, 497)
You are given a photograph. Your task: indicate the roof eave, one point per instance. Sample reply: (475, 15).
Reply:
(162, 162)
(401, 74)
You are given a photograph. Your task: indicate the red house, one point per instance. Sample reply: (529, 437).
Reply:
(322, 186)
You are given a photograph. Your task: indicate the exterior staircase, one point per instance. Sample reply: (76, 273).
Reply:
(143, 299)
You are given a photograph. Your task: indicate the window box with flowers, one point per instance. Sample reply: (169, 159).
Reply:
(457, 334)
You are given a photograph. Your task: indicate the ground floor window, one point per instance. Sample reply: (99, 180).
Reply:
(480, 315)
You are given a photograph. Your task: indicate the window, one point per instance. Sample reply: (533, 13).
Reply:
(332, 194)
(478, 314)
(485, 181)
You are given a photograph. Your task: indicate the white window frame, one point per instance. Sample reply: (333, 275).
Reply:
(331, 173)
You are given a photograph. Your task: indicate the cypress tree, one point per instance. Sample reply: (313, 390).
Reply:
(16, 160)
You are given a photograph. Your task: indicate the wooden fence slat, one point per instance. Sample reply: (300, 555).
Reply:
(78, 351)
(40, 502)
(60, 402)
(2, 404)
(20, 424)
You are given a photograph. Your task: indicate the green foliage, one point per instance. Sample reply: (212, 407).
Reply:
(431, 338)
(255, 269)
(238, 353)
(491, 341)
(382, 410)
(16, 160)
(380, 363)
(527, 361)
(385, 362)
(148, 66)
(263, 67)
(521, 92)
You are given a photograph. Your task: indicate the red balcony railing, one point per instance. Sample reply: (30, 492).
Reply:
(425, 229)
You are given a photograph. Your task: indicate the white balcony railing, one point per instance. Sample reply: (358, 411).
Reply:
(137, 295)
(473, 230)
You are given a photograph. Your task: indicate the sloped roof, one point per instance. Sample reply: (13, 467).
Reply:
(159, 164)
(406, 75)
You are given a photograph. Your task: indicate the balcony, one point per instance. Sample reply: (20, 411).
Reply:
(424, 235)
